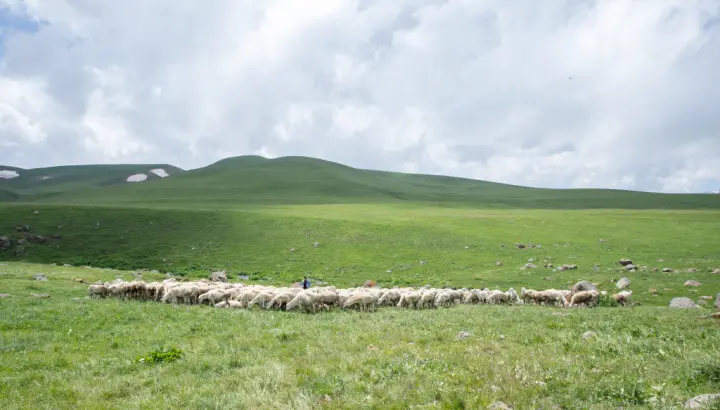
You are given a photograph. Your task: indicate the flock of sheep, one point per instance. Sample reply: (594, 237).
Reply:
(237, 295)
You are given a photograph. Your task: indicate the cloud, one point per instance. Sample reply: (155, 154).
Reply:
(570, 93)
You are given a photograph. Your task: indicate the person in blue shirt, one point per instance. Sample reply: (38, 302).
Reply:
(306, 283)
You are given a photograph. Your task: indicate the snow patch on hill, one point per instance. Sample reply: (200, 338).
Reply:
(160, 172)
(7, 174)
(137, 178)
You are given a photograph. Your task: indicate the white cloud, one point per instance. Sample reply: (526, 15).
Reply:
(604, 93)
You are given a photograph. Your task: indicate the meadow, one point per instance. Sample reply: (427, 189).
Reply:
(69, 351)
(274, 221)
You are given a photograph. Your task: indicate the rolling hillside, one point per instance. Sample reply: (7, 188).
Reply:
(33, 184)
(253, 180)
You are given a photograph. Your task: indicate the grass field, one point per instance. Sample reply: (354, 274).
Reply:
(390, 244)
(67, 351)
(244, 215)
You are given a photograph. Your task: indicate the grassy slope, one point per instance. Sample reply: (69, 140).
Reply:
(68, 179)
(360, 242)
(299, 180)
(63, 352)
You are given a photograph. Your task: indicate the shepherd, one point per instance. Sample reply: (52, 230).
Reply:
(306, 283)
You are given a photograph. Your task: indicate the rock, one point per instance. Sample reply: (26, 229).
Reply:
(292, 249)
(316, 244)
(583, 286)
(567, 267)
(667, 270)
(40, 276)
(36, 212)
(466, 247)
(625, 262)
(654, 269)
(716, 271)
(691, 270)
(528, 266)
(715, 315)
(702, 302)
(630, 267)
(4, 242)
(706, 297)
(717, 301)
(702, 401)
(682, 303)
(623, 283)
(652, 291)
(548, 278)
(23, 228)
(4, 295)
(601, 240)
(219, 277)
(520, 245)
(36, 239)
(588, 335)
(538, 246)
(549, 265)
(462, 335)
(423, 262)
(40, 295)
(498, 405)
(692, 283)
(531, 260)
(79, 280)
(498, 263)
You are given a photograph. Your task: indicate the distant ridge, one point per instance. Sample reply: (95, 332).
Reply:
(255, 180)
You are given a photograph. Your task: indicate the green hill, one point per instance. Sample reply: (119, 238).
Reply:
(32, 184)
(255, 180)
(7, 195)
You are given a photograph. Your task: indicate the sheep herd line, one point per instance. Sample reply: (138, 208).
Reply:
(237, 295)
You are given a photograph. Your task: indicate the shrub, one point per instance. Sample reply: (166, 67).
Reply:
(162, 355)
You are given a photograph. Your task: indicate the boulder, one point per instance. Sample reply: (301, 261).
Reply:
(37, 239)
(623, 283)
(667, 270)
(23, 228)
(630, 267)
(219, 277)
(682, 303)
(583, 286)
(625, 262)
(692, 283)
(4, 242)
(702, 401)
(567, 267)
(40, 276)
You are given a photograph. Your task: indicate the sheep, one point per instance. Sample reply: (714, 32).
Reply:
(229, 304)
(328, 298)
(585, 298)
(389, 298)
(361, 300)
(213, 297)
(409, 299)
(623, 298)
(99, 291)
(303, 300)
(262, 299)
(281, 300)
(427, 299)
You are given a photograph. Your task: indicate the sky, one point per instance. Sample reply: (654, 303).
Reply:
(559, 93)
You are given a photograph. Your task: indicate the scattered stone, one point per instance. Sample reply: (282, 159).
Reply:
(602, 240)
(625, 262)
(702, 401)
(623, 283)
(630, 267)
(4, 242)
(682, 303)
(4, 295)
(652, 291)
(583, 286)
(466, 247)
(661, 260)
(23, 228)
(423, 262)
(715, 315)
(692, 283)
(373, 347)
(462, 335)
(691, 270)
(654, 269)
(549, 265)
(528, 266)
(531, 260)
(520, 245)
(587, 335)
(706, 297)
(316, 244)
(567, 267)
(40, 276)
(36, 239)
(548, 278)
(40, 295)
(702, 302)
(498, 263)
(667, 270)
(717, 301)
(36, 212)
(498, 405)
(67, 265)
(716, 271)
(538, 246)
(79, 280)
(219, 276)
(292, 249)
